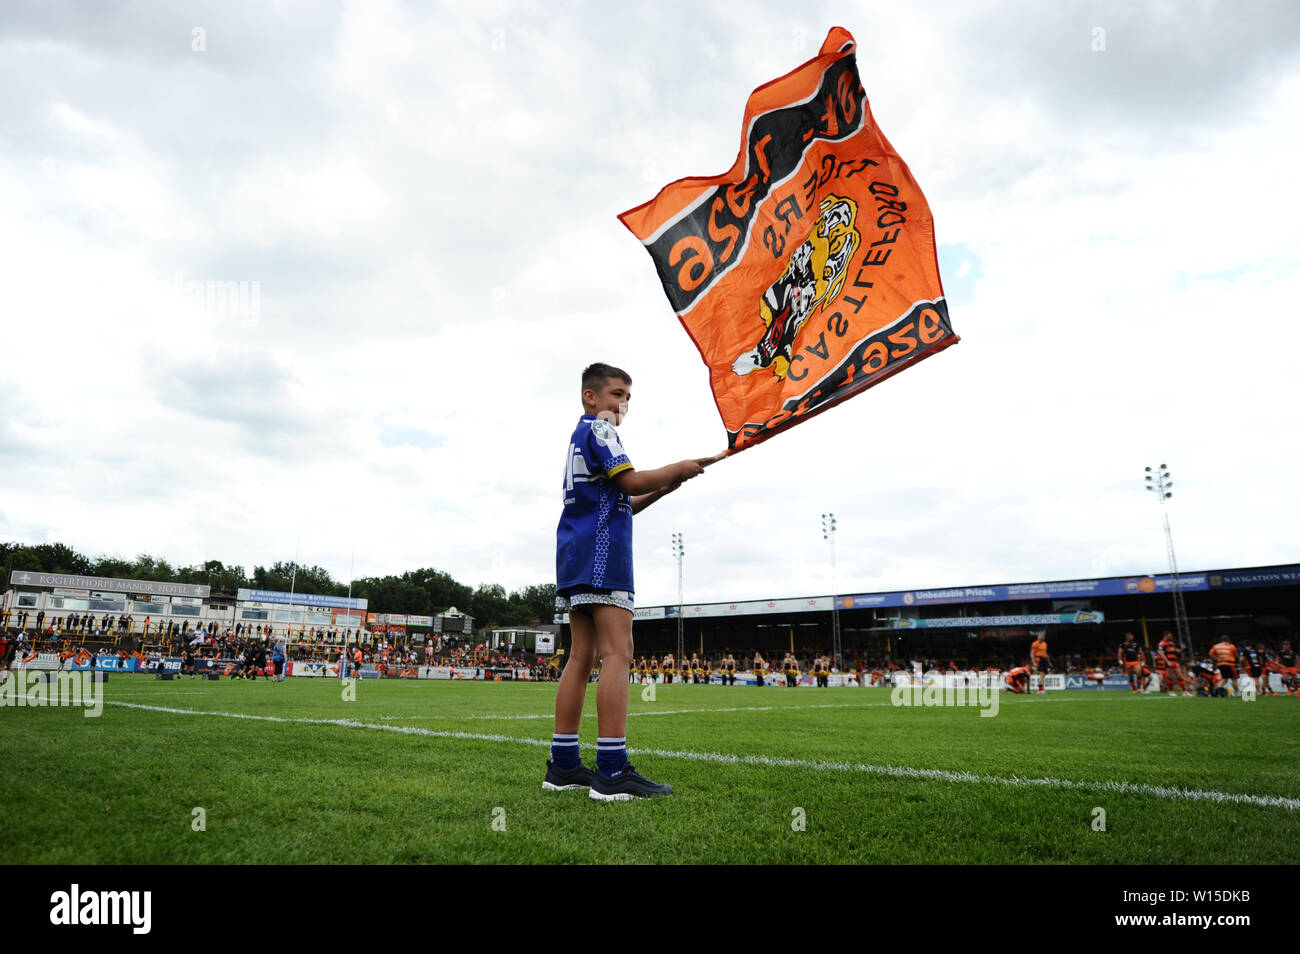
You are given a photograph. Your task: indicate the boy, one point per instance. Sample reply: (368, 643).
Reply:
(593, 563)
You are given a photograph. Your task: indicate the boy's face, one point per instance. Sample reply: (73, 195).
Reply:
(610, 403)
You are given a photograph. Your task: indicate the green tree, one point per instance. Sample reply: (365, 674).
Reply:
(224, 580)
(24, 558)
(535, 602)
(443, 590)
(278, 577)
(42, 557)
(315, 580)
(113, 566)
(490, 605)
(146, 567)
(60, 558)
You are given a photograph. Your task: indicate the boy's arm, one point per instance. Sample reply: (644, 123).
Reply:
(638, 483)
(642, 501)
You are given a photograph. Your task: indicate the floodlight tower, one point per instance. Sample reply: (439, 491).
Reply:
(828, 534)
(679, 551)
(1159, 483)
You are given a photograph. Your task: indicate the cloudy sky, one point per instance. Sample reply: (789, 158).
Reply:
(421, 202)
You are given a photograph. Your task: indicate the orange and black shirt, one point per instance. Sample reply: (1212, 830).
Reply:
(1224, 654)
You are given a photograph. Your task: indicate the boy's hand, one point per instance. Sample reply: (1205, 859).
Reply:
(686, 469)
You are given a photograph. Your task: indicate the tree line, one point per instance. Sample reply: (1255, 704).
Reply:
(422, 592)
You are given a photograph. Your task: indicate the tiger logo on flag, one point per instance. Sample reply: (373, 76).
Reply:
(813, 277)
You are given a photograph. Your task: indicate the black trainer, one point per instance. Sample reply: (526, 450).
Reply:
(625, 786)
(564, 779)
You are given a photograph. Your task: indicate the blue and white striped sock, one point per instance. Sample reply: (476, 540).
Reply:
(611, 755)
(564, 750)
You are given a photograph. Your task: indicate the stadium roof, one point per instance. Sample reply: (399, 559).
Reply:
(1280, 575)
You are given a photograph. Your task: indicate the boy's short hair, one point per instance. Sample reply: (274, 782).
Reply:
(595, 376)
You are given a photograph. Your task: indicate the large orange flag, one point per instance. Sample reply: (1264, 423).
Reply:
(807, 273)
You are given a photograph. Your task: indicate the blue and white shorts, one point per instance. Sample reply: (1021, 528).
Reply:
(567, 600)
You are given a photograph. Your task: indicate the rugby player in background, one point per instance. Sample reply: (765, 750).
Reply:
(1172, 652)
(1205, 676)
(1224, 655)
(1270, 667)
(1130, 657)
(1285, 661)
(1018, 680)
(1038, 655)
(1253, 663)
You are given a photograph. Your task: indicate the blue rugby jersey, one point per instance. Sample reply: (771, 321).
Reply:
(593, 543)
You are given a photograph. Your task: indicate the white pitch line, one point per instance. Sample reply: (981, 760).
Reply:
(652, 712)
(591, 715)
(1168, 792)
(660, 712)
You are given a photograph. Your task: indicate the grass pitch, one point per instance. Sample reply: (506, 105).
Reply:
(450, 772)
